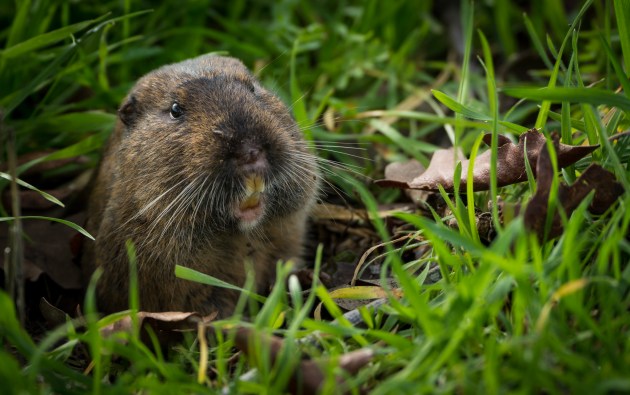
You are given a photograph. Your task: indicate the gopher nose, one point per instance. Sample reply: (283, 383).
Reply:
(252, 159)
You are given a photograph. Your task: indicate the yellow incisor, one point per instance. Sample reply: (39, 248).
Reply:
(254, 186)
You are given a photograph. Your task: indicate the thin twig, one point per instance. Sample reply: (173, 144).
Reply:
(619, 135)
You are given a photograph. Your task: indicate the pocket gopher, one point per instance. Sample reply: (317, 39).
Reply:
(205, 169)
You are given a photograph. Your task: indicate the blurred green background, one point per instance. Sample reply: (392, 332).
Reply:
(66, 65)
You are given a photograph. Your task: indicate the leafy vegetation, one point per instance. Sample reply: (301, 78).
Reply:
(512, 314)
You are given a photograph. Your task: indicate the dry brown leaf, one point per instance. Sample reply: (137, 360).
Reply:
(510, 164)
(595, 177)
(353, 361)
(607, 188)
(403, 171)
(172, 319)
(167, 326)
(406, 171)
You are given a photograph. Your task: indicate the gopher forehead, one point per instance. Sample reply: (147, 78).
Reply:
(169, 77)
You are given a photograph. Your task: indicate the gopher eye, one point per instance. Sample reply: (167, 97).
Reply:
(176, 110)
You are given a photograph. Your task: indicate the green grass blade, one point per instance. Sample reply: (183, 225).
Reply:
(17, 31)
(25, 184)
(75, 122)
(460, 108)
(470, 195)
(531, 179)
(297, 97)
(50, 70)
(460, 215)
(90, 144)
(43, 40)
(622, 12)
(431, 118)
(411, 147)
(61, 221)
(493, 99)
(592, 96)
(193, 275)
(134, 293)
(591, 118)
(623, 78)
(575, 123)
(565, 122)
(541, 120)
(536, 42)
(467, 15)
(504, 27)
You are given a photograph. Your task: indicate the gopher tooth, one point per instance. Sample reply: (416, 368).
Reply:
(254, 184)
(251, 201)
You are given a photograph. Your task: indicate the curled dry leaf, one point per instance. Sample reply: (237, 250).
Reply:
(607, 188)
(167, 326)
(510, 164)
(353, 361)
(308, 376)
(404, 171)
(595, 177)
(53, 315)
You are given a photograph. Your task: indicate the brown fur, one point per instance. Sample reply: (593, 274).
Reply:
(227, 116)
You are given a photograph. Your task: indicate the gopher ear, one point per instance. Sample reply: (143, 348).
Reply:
(128, 112)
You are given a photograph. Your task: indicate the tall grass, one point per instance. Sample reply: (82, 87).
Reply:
(516, 315)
